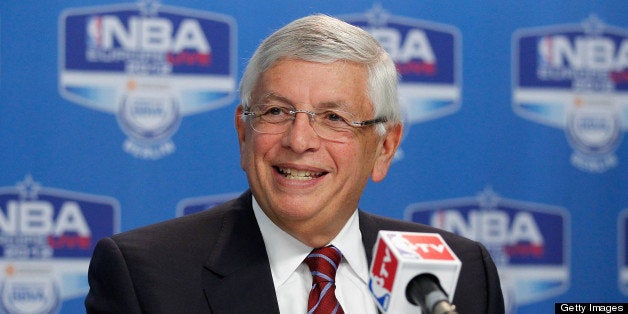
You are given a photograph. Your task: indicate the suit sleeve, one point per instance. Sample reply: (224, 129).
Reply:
(111, 286)
(478, 290)
(495, 299)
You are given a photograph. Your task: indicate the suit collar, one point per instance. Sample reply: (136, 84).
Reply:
(237, 232)
(369, 228)
(237, 265)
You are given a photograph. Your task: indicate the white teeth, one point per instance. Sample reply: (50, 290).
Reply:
(299, 174)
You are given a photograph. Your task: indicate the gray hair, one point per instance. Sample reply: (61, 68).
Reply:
(324, 39)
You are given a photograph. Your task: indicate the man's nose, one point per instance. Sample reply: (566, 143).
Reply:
(301, 136)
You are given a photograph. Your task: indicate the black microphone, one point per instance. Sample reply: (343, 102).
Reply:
(425, 291)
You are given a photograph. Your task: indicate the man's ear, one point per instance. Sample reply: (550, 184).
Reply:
(388, 147)
(240, 126)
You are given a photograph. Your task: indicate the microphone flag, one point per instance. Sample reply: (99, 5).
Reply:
(399, 257)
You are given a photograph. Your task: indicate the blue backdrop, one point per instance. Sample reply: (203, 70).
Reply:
(115, 115)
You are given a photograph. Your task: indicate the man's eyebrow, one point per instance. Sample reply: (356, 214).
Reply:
(274, 96)
(331, 105)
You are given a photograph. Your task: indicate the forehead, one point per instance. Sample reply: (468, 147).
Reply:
(340, 83)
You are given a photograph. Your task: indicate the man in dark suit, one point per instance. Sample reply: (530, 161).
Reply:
(318, 117)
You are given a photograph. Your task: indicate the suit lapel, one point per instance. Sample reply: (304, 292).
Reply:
(237, 276)
(369, 229)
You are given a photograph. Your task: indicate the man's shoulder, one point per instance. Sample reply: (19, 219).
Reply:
(196, 226)
(186, 240)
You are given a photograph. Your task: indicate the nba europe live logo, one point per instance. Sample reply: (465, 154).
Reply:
(529, 242)
(148, 64)
(575, 77)
(427, 56)
(47, 237)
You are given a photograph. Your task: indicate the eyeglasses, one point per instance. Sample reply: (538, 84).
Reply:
(329, 124)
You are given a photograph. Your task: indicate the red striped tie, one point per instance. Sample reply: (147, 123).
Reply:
(323, 263)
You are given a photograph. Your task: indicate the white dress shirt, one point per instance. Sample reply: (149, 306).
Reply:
(292, 278)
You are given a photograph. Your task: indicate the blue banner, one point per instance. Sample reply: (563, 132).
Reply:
(119, 114)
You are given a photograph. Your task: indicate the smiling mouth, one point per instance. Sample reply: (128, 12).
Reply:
(299, 174)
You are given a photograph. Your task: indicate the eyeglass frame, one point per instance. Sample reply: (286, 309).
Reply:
(312, 116)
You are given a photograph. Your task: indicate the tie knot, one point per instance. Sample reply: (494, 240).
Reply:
(323, 263)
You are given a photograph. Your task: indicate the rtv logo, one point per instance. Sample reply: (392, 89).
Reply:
(426, 246)
(385, 267)
(382, 274)
(529, 242)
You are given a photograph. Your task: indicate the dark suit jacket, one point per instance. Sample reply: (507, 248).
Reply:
(215, 262)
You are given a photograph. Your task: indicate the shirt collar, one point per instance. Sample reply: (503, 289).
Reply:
(285, 253)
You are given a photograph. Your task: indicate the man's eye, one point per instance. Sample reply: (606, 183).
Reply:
(275, 111)
(333, 117)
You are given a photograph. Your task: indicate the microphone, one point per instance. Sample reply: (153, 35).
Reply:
(424, 290)
(413, 272)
